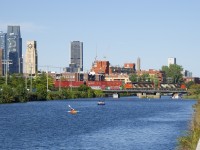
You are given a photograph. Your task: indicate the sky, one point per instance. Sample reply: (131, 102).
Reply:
(119, 31)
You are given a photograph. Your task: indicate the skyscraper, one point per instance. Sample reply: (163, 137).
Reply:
(171, 60)
(138, 64)
(1, 67)
(31, 58)
(76, 58)
(14, 49)
(3, 47)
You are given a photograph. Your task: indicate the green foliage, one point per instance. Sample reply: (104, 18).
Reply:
(32, 96)
(84, 88)
(54, 95)
(2, 80)
(91, 93)
(20, 93)
(66, 93)
(133, 78)
(194, 89)
(85, 91)
(42, 80)
(145, 77)
(192, 97)
(6, 94)
(155, 82)
(190, 140)
(16, 79)
(189, 84)
(98, 93)
(75, 94)
(173, 72)
(16, 90)
(41, 92)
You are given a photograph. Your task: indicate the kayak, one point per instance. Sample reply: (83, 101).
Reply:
(73, 111)
(101, 103)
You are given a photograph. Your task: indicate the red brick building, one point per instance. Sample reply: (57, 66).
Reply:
(113, 85)
(129, 65)
(100, 67)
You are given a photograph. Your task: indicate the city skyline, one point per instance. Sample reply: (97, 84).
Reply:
(116, 31)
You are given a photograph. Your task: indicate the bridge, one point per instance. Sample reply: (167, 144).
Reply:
(147, 91)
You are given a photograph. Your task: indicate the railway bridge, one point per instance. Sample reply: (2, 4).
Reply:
(148, 92)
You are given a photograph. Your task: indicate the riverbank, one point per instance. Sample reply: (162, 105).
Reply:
(190, 140)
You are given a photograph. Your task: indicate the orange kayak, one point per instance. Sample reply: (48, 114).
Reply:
(73, 112)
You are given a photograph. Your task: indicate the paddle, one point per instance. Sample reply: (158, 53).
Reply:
(71, 107)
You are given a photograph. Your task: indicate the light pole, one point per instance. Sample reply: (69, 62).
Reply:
(31, 76)
(26, 80)
(25, 76)
(47, 79)
(6, 72)
(6, 62)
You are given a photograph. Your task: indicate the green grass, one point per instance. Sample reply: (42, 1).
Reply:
(190, 140)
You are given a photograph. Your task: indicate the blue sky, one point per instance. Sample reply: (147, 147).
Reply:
(116, 30)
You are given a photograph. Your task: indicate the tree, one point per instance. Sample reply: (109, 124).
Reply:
(83, 87)
(173, 72)
(16, 79)
(194, 89)
(2, 80)
(155, 81)
(145, 77)
(190, 83)
(41, 92)
(133, 78)
(6, 94)
(42, 80)
(98, 93)
(17, 83)
(20, 93)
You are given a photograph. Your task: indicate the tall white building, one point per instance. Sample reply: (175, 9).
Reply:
(171, 61)
(138, 64)
(31, 58)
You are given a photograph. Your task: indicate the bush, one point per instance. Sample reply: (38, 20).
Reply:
(6, 94)
(54, 95)
(190, 140)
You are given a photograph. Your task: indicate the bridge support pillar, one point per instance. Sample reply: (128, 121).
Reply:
(158, 95)
(115, 95)
(145, 95)
(142, 95)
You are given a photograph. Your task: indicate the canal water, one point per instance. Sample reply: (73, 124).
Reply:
(121, 124)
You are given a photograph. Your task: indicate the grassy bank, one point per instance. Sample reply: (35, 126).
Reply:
(190, 140)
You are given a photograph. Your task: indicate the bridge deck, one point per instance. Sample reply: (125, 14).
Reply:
(147, 90)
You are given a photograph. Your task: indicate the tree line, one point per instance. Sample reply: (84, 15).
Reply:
(172, 74)
(18, 88)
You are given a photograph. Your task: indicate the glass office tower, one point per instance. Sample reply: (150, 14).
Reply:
(3, 47)
(14, 50)
(76, 64)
